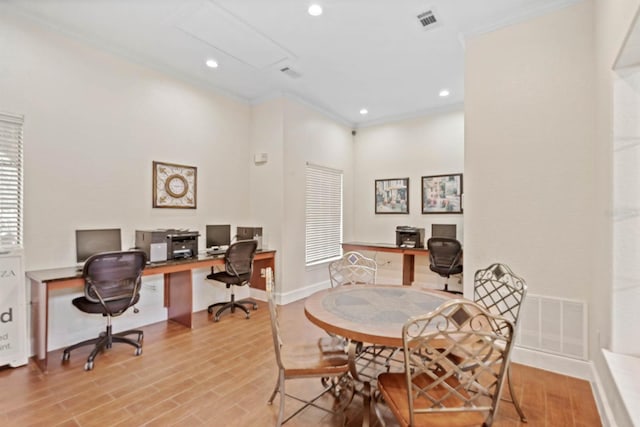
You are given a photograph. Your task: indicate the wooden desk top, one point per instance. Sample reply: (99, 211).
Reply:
(370, 313)
(72, 276)
(383, 247)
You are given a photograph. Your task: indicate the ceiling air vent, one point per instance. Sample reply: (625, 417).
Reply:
(427, 20)
(291, 72)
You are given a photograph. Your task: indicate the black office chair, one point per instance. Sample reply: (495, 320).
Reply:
(112, 285)
(238, 261)
(445, 258)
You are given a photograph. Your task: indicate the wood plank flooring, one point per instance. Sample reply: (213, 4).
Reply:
(221, 374)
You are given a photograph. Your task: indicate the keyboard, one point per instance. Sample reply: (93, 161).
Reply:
(216, 252)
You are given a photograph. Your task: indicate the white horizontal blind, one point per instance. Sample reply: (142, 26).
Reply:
(11, 181)
(323, 213)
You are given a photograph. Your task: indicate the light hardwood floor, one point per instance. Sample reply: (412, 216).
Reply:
(221, 374)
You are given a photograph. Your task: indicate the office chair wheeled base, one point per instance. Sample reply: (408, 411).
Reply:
(103, 342)
(231, 305)
(446, 289)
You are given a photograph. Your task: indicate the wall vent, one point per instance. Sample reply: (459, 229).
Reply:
(427, 20)
(291, 72)
(553, 325)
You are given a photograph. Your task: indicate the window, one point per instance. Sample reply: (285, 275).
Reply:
(323, 214)
(10, 181)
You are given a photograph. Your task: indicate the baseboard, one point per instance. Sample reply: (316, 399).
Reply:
(602, 401)
(291, 296)
(551, 362)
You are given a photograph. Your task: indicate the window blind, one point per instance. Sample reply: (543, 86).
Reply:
(11, 181)
(323, 213)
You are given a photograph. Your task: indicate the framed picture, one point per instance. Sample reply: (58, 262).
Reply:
(174, 186)
(442, 194)
(392, 196)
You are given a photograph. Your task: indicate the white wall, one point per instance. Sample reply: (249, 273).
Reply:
(626, 214)
(612, 21)
(429, 145)
(93, 125)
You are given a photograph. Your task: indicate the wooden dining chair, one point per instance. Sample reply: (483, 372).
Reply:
(501, 292)
(297, 361)
(434, 390)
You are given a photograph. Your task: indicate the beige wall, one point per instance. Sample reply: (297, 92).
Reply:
(293, 134)
(538, 115)
(413, 148)
(267, 179)
(310, 136)
(93, 125)
(430, 145)
(529, 141)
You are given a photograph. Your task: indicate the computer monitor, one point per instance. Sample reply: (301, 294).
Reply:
(218, 235)
(89, 242)
(443, 230)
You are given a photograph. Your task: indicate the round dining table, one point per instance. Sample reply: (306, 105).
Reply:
(372, 314)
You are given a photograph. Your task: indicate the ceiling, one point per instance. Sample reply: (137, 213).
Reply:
(371, 54)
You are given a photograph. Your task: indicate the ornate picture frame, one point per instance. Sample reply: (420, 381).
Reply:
(392, 196)
(442, 194)
(174, 186)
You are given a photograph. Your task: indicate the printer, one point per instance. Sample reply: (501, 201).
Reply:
(409, 237)
(163, 245)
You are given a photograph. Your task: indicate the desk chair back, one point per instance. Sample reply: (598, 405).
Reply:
(239, 257)
(353, 268)
(238, 262)
(445, 257)
(113, 280)
(438, 391)
(112, 285)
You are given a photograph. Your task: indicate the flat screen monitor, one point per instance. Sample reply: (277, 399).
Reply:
(443, 230)
(89, 242)
(218, 235)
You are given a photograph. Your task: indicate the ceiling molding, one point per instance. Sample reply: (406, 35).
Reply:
(517, 18)
(458, 106)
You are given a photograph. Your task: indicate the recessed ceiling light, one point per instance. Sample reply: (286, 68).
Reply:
(315, 10)
(444, 92)
(364, 111)
(212, 63)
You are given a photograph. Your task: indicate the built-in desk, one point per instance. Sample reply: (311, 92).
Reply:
(177, 291)
(408, 256)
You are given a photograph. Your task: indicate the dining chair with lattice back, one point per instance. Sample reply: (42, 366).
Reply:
(307, 360)
(501, 292)
(353, 268)
(434, 390)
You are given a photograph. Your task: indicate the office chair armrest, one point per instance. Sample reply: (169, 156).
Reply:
(233, 270)
(104, 304)
(136, 291)
(455, 262)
